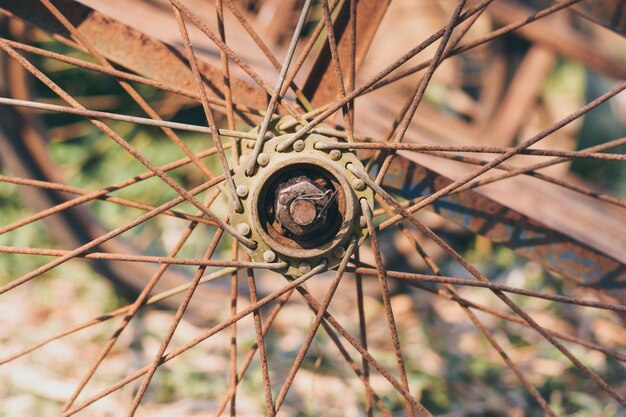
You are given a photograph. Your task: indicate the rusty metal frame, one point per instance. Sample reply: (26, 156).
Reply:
(609, 13)
(320, 86)
(500, 224)
(146, 56)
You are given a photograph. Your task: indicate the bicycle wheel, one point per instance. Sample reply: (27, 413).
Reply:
(307, 138)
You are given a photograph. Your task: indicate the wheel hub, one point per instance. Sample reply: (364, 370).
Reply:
(300, 205)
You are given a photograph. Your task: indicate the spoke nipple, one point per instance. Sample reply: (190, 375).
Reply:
(335, 154)
(269, 256)
(339, 252)
(304, 267)
(244, 229)
(263, 159)
(242, 191)
(298, 145)
(358, 184)
(362, 221)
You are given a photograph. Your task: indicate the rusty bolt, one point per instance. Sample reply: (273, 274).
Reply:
(304, 267)
(298, 145)
(339, 252)
(298, 204)
(263, 159)
(358, 184)
(243, 228)
(242, 191)
(335, 154)
(303, 212)
(269, 256)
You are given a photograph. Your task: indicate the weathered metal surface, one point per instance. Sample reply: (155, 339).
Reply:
(23, 152)
(132, 49)
(285, 169)
(321, 85)
(529, 238)
(585, 261)
(559, 37)
(609, 13)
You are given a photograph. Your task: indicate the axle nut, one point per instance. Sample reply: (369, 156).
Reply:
(303, 212)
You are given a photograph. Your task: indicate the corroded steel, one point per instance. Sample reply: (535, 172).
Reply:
(609, 13)
(321, 86)
(132, 49)
(555, 250)
(502, 225)
(305, 173)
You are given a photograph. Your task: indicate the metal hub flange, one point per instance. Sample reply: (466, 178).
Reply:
(301, 205)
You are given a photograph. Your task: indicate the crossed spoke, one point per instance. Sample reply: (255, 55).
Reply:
(397, 213)
(405, 214)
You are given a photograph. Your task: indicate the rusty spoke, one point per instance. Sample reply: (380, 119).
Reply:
(208, 113)
(477, 42)
(258, 329)
(440, 279)
(527, 171)
(410, 109)
(234, 279)
(308, 339)
(268, 54)
(236, 58)
(363, 335)
(428, 148)
(276, 96)
(405, 214)
(205, 335)
(473, 318)
(142, 258)
(186, 195)
(507, 155)
(125, 118)
(382, 74)
(334, 52)
(158, 358)
(352, 74)
(384, 290)
(531, 168)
